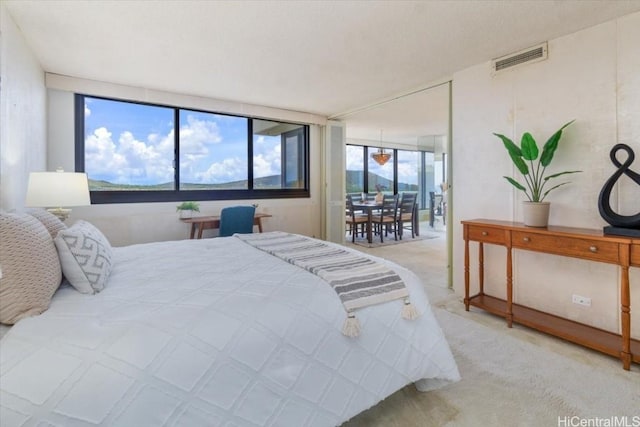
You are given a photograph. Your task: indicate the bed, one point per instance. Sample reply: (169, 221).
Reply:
(213, 332)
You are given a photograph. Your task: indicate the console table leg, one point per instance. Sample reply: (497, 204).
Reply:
(466, 270)
(481, 267)
(509, 288)
(626, 361)
(625, 318)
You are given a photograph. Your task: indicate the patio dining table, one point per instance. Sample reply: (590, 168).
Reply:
(201, 223)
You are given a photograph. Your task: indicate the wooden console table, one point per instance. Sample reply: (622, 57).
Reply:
(585, 244)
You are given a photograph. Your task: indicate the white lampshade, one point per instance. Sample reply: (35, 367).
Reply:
(57, 189)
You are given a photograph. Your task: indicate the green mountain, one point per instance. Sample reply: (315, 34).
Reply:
(272, 181)
(355, 181)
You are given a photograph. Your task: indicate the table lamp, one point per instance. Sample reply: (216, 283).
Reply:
(55, 190)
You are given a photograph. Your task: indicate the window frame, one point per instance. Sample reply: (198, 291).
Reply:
(367, 149)
(300, 147)
(147, 196)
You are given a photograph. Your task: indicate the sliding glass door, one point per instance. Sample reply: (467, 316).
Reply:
(407, 170)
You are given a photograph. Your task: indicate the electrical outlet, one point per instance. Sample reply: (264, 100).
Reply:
(580, 300)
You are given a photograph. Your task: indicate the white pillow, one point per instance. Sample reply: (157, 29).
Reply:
(51, 222)
(29, 266)
(86, 257)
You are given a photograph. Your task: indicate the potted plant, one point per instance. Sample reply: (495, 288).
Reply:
(532, 165)
(187, 209)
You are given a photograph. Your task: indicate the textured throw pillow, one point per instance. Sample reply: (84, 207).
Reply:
(30, 267)
(85, 255)
(51, 222)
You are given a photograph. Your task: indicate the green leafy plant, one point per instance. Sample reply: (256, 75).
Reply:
(188, 206)
(531, 166)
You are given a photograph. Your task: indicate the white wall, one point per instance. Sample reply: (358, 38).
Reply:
(22, 114)
(130, 223)
(36, 134)
(592, 76)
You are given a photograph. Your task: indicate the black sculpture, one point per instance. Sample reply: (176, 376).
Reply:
(625, 225)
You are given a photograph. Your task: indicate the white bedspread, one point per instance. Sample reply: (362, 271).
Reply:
(212, 332)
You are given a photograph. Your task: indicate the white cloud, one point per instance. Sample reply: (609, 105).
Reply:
(87, 111)
(266, 157)
(354, 158)
(263, 167)
(408, 172)
(100, 153)
(129, 161)
(196, 136)
(230, 169)
(205, 157)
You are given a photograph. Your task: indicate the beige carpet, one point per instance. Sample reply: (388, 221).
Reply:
(510, 377)
(390, 241)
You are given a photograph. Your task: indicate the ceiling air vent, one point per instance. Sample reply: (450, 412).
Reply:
(526, 56)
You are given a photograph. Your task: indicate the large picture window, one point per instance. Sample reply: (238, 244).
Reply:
(135, 152)
(279, 151)
(128, 146)
(380, 176)
(411, 171)
(213, 151)
(355, 169)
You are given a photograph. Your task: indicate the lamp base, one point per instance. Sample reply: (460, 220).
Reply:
(62, 214)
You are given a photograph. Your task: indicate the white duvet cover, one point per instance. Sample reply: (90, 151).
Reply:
(212, 333)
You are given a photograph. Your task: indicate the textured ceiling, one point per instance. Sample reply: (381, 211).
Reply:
(322, 57)
(403, 120)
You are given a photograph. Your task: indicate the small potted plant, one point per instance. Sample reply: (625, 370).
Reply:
(187, 209)
(532, 165)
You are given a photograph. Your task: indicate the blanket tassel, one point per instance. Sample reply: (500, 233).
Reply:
(409, 311)
(351, 327)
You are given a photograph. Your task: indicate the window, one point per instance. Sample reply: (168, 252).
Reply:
(406, 171)
(381, 176)
(278, 155)
(409, 170)
(123, 153)
(355, 169)
(135, 152)
(213, 151)
(415, 174)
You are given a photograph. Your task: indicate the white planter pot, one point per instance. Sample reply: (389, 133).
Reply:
(536, 214)
(184, 214)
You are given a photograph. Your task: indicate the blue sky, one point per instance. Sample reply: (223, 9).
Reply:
(130, 143)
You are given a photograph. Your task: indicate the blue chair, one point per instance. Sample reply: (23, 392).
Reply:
(236, 219)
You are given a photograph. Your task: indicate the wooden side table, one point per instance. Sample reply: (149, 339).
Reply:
(201, 223)
(590, 245)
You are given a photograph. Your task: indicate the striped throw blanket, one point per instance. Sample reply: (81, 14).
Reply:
(358, 280)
